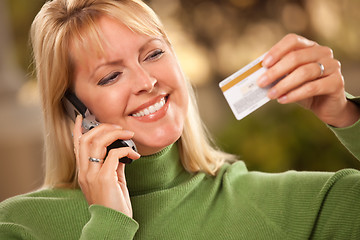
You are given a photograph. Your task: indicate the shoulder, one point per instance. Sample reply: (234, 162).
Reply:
(38, 200)
(44, 193)
(42, 213)
(338, 202)
(316, 201)
(239, 179)
(293, 188)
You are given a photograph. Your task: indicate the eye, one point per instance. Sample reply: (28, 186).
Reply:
(155, 55)
(109, 78)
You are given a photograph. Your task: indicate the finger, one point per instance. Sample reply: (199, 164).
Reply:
(323, 86)
(301, 75)
(103, 138)
(121, 175)
(123, 152)
(112, 161)
(85, 148)
(93, 168)
(292, 81)
(287, 44)
(292, 61)
(122, 183)
(100, 142)
(119, 153)
(77, 135)
(86, 140)
(102, 129)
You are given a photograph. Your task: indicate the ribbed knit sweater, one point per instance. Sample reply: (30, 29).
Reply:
(170, 203)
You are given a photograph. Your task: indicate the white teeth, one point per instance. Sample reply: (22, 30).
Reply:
(158, 106)
(152, 109)
(149, 110)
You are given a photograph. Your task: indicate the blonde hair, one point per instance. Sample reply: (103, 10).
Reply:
(61, 22)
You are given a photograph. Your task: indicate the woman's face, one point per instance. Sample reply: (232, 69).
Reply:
(137, 85)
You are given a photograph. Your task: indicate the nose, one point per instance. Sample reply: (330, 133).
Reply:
(142, 81)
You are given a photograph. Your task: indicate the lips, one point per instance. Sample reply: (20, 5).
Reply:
(152, 109)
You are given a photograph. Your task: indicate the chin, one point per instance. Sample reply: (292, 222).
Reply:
(148, 145)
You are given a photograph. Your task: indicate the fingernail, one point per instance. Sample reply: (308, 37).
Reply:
(283, 99)
(78, 117)
(272, 93)
(117, 126)
(262, 81)
(129, 132)
(306, 41)
(267, 61)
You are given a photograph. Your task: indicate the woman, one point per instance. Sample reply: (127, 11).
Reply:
(116, 58)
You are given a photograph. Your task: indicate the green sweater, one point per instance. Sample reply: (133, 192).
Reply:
(170, 203)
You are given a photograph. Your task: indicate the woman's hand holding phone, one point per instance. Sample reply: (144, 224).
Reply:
(103, 182)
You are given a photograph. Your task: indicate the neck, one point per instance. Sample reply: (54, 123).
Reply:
(155, 172)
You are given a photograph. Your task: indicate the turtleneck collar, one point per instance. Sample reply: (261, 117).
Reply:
(155, 172)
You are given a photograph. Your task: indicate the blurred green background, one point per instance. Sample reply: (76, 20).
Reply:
(212, 39)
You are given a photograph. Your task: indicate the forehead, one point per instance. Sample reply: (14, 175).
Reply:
(106, 40)
(104, 33)
(110, 43)
(115, 33)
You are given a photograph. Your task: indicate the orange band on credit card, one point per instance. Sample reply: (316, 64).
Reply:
(241, 77)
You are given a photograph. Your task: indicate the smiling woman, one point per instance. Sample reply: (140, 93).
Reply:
(104, 71)
(128, 81)
(116, 58)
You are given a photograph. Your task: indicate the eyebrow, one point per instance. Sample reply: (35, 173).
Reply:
(148, 42)
(118, 62)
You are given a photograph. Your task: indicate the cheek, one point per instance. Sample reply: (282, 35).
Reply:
(182, 89)
(107, 105)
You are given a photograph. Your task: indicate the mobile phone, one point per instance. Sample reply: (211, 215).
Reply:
(74, 107)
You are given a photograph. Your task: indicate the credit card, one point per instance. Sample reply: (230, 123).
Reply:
(241, 91)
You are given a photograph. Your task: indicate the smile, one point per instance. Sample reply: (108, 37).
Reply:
(151, 109)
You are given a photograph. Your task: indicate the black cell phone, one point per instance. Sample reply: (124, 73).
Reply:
(74, 107)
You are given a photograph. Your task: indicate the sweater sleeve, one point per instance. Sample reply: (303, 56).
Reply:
(338, 216)
(106, 223)
(11, 230)
(350, 136)
(61, 214)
